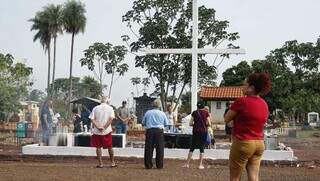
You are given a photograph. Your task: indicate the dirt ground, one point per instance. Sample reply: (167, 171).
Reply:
(14, 166)
(84, 169)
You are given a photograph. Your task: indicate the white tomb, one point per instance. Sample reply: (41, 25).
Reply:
(313, 119)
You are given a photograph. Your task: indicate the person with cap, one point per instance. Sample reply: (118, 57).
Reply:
(154, 122)
(123, 116)
(200, 121)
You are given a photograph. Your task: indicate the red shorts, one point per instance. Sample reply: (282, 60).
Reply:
(101, 141)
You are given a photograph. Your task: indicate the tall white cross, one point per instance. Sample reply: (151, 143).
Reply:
(194, 51)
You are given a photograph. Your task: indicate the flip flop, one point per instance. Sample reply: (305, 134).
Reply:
(99, 166)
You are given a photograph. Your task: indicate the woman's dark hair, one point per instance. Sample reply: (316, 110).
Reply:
(75, 110)
(261, 83)
(200, 105)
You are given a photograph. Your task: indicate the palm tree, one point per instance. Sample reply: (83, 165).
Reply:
(43, 34)
(74, 21)
(53, 14)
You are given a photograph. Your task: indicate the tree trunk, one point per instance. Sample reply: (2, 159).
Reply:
(162, 96)
(49, 71)
(166, 96)
(54, 64)
(180, 94)
(174, 93)
(137, 89)
(70, 76)
(111, 83)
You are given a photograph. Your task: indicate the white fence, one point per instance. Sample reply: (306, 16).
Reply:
(280, 131)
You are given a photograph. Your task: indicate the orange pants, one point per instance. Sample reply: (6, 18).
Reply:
(245, 153)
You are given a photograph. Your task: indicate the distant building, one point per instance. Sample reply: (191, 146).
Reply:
(143, 104)
(217, 99)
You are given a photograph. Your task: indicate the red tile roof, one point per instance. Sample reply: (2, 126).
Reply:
(221, 93)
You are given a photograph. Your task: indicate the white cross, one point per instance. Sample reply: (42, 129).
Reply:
(194, 51)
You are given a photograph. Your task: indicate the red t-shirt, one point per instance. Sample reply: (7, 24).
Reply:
(252, 114)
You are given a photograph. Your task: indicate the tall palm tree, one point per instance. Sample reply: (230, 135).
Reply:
(53, 15)
(43, 34)
(74, 21)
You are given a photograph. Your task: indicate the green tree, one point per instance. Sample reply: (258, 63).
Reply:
(85, 87)
(74, 22)
(185, 103)
(89, 87)
(105, 59)
(297, 79)
(294, 73)
(36, 95)
(167, 24)
(235, 75)
(14, 83)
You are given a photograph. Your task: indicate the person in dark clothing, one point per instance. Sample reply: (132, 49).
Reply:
(77, 122)
(228, 127)
(85, 113)
(200, 121)
(46, 117)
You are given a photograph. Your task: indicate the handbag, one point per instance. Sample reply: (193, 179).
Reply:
(208, 139)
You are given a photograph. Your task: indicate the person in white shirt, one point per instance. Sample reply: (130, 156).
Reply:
(101, 117)
(171, 117)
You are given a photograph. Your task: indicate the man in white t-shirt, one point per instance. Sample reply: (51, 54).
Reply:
(101, 117)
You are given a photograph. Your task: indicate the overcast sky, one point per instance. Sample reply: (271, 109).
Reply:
(262, 25)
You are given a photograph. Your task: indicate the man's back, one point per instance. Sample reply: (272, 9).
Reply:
(155, 119)
(102, 113)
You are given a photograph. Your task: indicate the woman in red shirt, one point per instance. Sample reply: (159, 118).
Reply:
(249, 114)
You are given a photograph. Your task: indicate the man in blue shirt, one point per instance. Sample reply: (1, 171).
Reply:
(154, 122)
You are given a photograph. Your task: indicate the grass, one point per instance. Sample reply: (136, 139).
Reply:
(307, 133)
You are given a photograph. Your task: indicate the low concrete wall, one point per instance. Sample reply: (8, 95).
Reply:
(270, 155)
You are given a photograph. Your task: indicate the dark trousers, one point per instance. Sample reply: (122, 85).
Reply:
(154, 139)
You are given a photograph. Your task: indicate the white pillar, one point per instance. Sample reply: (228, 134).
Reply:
(194, 78)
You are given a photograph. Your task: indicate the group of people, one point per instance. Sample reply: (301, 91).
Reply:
(248, 115)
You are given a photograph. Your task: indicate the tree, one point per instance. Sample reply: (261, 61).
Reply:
(145, 83)
(135, 82)
(235, 75)
(14, 83)
(74, 22)
(166, 24)
(85, 87)
(295, 77)
(36, 95)
(43, 34)
(53, 16)
(185, 103)
(89, 87)
(109, 60)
